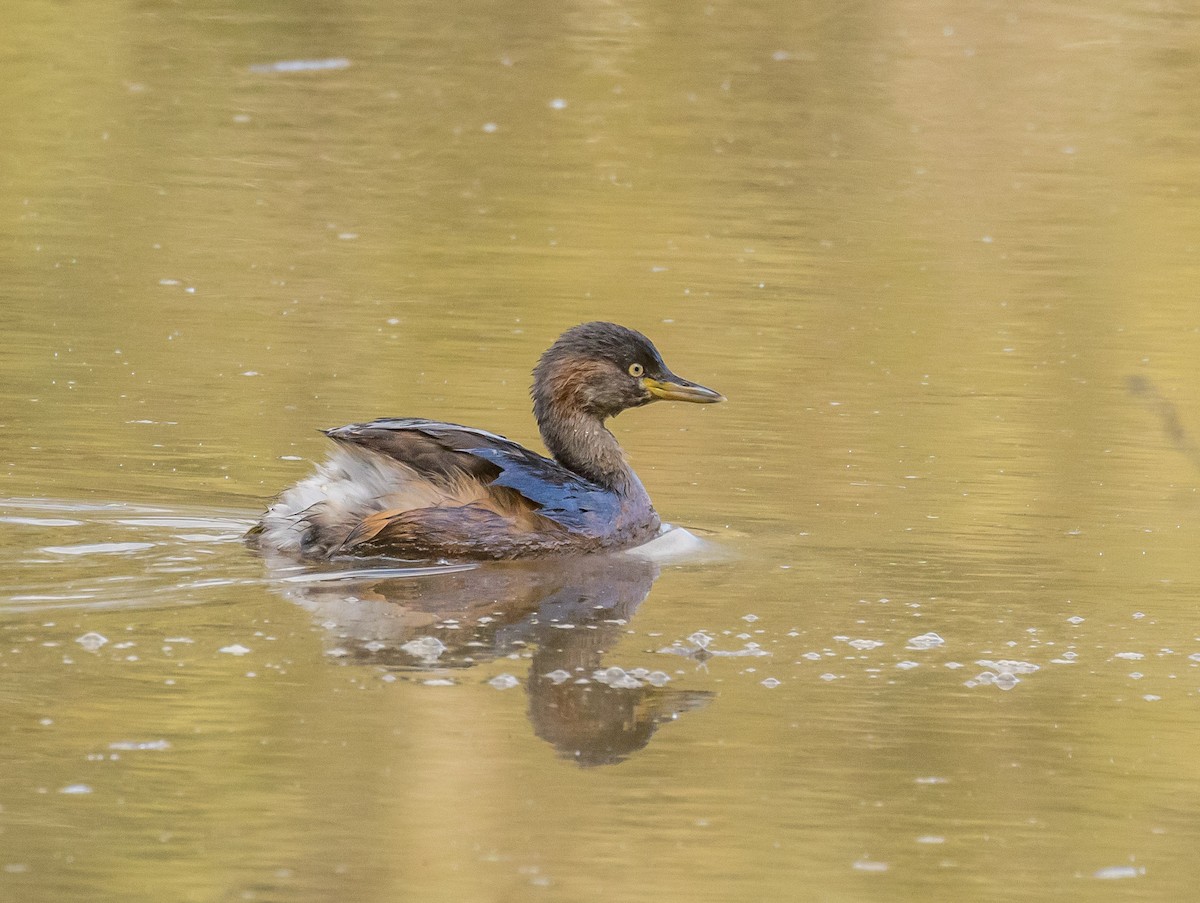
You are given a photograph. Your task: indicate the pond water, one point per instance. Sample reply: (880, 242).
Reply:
(930, 631)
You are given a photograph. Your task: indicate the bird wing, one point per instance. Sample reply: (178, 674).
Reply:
(480, 483)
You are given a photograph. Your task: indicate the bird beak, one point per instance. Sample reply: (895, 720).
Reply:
(674, 388)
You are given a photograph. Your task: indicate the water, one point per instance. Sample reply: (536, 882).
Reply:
(929, 634)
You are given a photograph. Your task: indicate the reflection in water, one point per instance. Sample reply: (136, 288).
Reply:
(1143, 388)
(568, 613)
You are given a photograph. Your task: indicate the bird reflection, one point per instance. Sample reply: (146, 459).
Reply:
(563, 615)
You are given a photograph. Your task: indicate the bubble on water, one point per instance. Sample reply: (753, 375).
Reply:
(503, 682)
(1130, 656)
(771, 683)
(1195, 656)
(953, 666)
(925, 641)
(812, 656)
(91, 641)
(657, 678)
(1136, 675)
(1075, 620)
(1114, 872)
(438, 682)
(126, 745)
(931, 838)
(932, 779)
(1150, 697)
(1006, 680)
(617, 678)
(558, 104)
(425, 648)
(907, 666)
(558, 676)
(75, 789)
(749, 619)
(374, 646)
(698, 647)
(864, 645)
(827, 676)
(1013, 667)
(235, 649)
(751, 649)
(678, 648)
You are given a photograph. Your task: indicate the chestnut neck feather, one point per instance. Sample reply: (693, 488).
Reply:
(573, 430)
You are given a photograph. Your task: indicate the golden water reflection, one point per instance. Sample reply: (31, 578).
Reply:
(562, 616)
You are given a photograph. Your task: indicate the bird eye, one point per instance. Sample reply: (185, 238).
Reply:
(636, 369)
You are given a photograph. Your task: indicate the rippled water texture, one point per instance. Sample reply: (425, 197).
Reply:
(931, 630)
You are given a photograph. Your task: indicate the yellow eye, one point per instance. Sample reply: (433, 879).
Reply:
(636, 369)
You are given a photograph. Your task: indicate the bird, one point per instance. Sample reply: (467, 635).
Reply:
(426, 490)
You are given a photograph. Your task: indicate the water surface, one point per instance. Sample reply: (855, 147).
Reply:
(942, 262)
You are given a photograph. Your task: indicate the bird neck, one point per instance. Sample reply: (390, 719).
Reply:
(582, 444)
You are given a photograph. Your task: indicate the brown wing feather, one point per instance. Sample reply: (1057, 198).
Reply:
(448, 503)
(432, 456)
